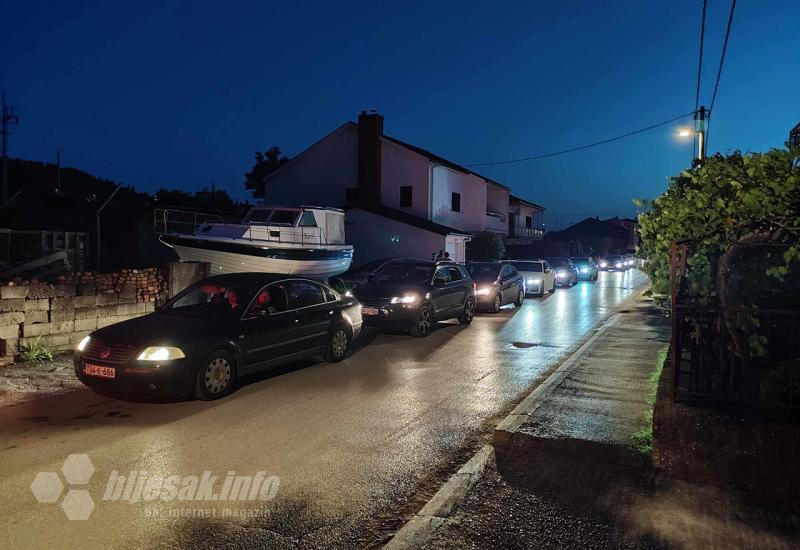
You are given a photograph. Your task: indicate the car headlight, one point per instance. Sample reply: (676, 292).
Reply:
(603, 264)
(348, 294)
(484, 291)
(618, 264)
(584, 270)
(83, 343)
(160, 353)
(561, 274)
(407, 299)
(534, 280)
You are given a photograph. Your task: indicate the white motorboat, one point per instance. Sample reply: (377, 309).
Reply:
(306, 240)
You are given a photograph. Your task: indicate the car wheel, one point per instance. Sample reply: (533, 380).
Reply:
(497, 303)
(423, 324)
(338, 344)
(552, 290)
(520, 298)
(468, 313)
(216, 376)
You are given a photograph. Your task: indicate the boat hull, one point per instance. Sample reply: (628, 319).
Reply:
(318, 263)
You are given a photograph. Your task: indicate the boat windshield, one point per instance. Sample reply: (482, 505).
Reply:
(271, 216)
(404, 273)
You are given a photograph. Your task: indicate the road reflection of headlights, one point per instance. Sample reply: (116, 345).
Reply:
(408, 299)
(484, 291)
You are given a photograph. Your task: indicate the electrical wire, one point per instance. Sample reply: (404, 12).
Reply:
(700, 60)
(581, 147)
(722, 57)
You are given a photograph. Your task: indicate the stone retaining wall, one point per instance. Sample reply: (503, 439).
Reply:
(65, 310)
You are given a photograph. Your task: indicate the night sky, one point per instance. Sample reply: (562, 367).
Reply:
(180, 94)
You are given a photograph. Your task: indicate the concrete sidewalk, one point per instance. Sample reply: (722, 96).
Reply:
(567, 475)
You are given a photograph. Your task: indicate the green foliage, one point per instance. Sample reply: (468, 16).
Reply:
(266, 163)
(485, 247)
(36, 351)
(718, 202)
(642, 440)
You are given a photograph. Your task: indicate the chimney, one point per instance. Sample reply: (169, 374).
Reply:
(370, 130)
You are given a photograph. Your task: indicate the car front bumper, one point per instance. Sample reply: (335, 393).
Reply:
(172, 378)
(389, 316)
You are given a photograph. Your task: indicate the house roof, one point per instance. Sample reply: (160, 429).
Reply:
(595, 227)
(406, 218)
(443, 161)
(514, 198)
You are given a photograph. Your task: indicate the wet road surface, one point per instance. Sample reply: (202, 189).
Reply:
(349, 441)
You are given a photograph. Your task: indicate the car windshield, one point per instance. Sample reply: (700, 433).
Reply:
(404, 273)
(484, 272)
(528, 266)
(210, 300)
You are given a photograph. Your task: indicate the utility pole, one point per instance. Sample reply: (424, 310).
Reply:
(700, 125)
(97, 219)
(8, 118)
(58, 172)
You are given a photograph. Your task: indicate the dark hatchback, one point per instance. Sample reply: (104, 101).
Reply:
(497, 284)
(216, 331)
(413, 295)
(566, 271)
(587, 267)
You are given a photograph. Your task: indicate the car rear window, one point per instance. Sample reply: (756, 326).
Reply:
(528, 266)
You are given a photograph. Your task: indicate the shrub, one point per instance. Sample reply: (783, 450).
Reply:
(485, 247)
(36, 351)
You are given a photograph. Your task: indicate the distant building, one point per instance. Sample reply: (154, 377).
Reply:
(525, 221)
(599, 237)
(400, 199)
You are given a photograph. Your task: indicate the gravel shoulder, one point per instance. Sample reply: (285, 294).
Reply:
(20, 382)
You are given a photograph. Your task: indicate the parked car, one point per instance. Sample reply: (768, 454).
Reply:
(587, 267)
(498, 284)
(218, 330)
(566, 272)
(613, 263)
(413, 295)
(538, 276)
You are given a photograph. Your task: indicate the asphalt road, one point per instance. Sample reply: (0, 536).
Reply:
(350, 442)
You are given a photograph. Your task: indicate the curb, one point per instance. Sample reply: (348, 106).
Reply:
(438, 509)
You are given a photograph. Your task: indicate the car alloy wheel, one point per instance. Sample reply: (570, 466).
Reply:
(217, 375)
(338, 344)
(520, 298)
(422, 326)
(497, 304)
(469, 312)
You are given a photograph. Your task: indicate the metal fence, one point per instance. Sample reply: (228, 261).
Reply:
(747, 355)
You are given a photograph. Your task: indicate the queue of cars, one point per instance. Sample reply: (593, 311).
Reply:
(220, 329)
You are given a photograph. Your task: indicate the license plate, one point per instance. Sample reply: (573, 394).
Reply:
(100, 372)
(369, 311)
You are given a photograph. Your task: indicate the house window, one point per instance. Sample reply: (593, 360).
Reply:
(351, 195)
(406, 192)
(528, 222)
(455, 202)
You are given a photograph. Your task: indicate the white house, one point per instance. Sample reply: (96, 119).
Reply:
(401, 200)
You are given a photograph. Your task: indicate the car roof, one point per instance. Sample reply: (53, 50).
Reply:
(250, 278)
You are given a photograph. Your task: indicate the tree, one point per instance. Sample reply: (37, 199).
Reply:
(727, 205)
(266, 163)
(485, 247)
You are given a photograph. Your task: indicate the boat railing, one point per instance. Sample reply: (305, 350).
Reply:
(170, 221)
(185, 222)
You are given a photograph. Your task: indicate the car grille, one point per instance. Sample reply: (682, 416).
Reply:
(98, 351)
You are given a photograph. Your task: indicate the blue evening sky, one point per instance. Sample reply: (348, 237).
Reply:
(182, 93)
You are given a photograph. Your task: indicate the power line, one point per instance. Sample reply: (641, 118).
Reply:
(700, 60)
(573, 149)
(722, 57)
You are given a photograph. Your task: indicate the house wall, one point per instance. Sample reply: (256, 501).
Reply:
(374, 237)
(321, 174)
(401, 166)
(473, 199)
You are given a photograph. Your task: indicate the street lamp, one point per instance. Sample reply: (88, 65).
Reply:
(684, 133)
